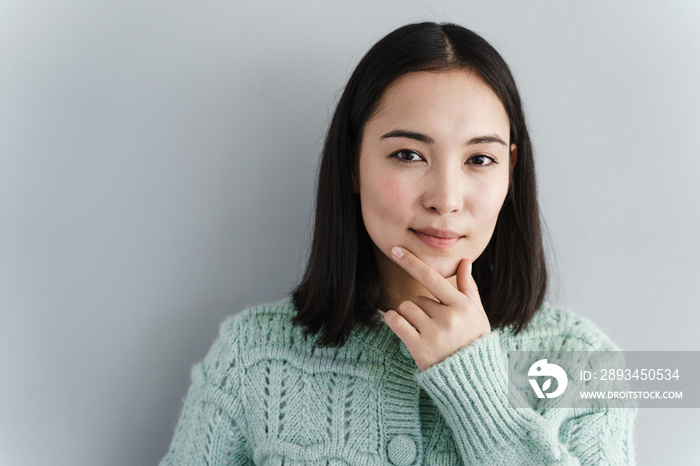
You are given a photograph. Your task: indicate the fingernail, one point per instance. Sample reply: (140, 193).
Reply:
(397, 251)
(469, 269)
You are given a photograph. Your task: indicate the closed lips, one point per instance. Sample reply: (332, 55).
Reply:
(447, 238)
(438, 233)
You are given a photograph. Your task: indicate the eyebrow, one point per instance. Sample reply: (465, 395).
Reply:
(490, 138)
(401, 133)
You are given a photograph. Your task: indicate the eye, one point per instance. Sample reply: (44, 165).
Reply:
(407, 155)
(481, 160)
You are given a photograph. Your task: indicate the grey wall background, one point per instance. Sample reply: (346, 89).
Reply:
(157, 164)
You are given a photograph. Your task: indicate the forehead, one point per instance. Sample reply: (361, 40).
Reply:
(457, 98)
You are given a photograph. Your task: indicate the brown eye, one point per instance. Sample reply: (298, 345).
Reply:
(407, 155)
(481, 160)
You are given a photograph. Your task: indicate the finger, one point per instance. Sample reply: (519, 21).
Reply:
(429, 305)
(435, 283)
(463, 272)
(473, 289)
(465, 280)
(414, 314)
(401, 327)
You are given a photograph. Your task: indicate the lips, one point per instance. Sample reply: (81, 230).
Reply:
(438, 233)
(437, 238)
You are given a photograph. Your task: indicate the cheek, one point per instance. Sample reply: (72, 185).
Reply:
(487, 202)
(385, 201)
(490, 204)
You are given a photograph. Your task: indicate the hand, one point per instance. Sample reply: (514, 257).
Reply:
(441, 327)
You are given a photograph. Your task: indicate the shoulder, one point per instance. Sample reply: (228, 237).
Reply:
(242, 336)
(259, 322)
(553, 328)
(267, 332)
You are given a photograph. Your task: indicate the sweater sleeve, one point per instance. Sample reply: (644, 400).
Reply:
(211, 429)
(470, 388)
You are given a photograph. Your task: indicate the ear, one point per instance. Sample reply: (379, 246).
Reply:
(513, 156)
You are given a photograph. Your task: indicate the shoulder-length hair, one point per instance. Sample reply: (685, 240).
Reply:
(340, 287)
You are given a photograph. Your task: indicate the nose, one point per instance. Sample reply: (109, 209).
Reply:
(445, 190)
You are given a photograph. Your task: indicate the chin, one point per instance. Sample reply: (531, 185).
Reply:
(447, 267)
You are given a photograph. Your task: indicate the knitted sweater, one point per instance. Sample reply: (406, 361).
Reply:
(265, 395)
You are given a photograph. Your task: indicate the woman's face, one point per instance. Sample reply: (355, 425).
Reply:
(434, 169)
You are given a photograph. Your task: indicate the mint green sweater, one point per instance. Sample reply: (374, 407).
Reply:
(265, 395)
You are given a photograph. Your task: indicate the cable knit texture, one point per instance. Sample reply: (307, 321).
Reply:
(266, 395)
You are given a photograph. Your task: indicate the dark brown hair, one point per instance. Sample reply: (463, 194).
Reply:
(340, 287)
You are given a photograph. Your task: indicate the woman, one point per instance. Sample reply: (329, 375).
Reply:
(387, 352)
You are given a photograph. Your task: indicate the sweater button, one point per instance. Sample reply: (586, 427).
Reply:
(402, 450)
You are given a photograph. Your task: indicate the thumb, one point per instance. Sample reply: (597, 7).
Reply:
(465, 282)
